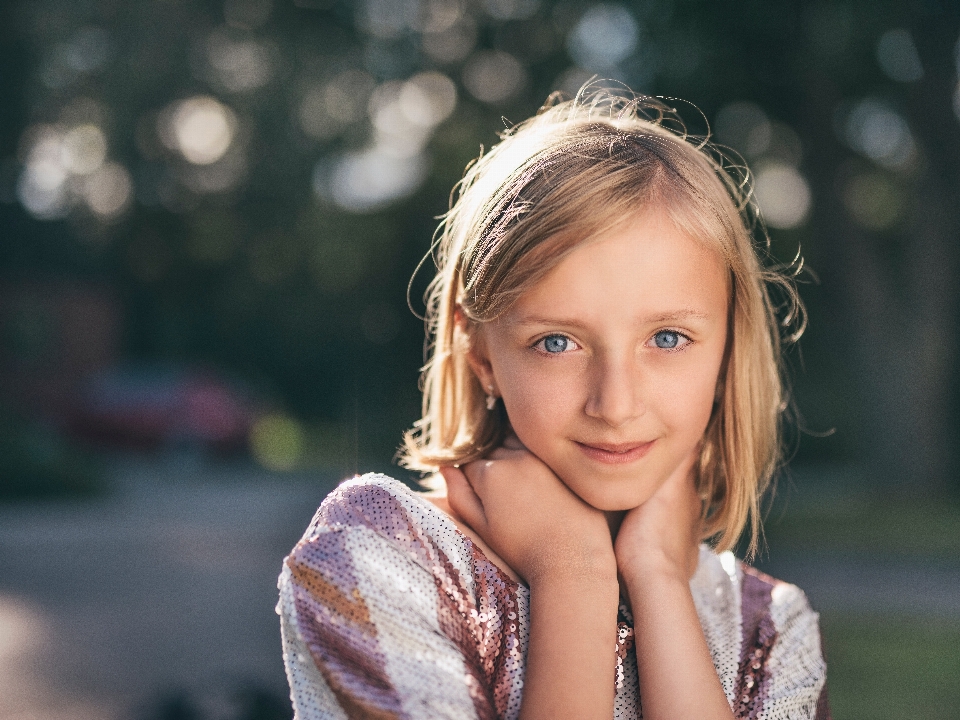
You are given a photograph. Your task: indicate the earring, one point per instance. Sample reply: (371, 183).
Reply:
(491, 398)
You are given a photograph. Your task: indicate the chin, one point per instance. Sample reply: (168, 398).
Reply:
(615, 500)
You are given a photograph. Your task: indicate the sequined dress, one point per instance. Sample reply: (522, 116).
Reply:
(388, 611)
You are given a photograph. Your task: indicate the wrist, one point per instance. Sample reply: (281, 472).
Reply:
(592, 568)
(653, 569)
(576, 592)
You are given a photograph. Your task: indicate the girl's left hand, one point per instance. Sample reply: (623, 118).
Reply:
(662, 535)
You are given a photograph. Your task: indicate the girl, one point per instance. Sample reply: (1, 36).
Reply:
(603, 395)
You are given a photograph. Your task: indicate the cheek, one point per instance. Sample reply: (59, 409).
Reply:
(538, 403)
(685, 398)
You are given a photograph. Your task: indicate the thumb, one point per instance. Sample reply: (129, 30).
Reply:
(461, 497)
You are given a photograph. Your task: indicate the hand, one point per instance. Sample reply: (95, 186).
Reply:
(662, 535)
(525, 513)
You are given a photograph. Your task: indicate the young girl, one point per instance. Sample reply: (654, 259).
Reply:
(603, 395)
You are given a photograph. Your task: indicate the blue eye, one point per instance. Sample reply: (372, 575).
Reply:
(556, 344)
(667, 339)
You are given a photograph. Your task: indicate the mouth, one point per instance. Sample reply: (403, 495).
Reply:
(615, 454)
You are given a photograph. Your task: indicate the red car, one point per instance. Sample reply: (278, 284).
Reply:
(155, 406)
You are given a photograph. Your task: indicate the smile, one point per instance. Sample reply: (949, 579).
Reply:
(616, 454)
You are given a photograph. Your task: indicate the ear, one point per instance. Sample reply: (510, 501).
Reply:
(477, 355)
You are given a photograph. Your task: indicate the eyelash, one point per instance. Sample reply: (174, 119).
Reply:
(541, 341)
(680, 347)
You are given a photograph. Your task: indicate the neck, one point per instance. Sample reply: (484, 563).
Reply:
(614, 520)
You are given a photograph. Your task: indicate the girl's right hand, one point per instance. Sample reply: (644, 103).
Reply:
(525, 513)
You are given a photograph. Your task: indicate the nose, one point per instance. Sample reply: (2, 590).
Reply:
(616, 392)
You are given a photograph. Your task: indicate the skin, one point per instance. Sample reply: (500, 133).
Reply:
(608, 370)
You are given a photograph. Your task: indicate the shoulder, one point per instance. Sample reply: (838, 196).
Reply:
(723, 577)
(362, 610)
(373, 514)
(372, 500)
(764, 636)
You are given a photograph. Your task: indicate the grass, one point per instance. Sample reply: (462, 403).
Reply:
(880, 666)
(820, 518)
(890, 668)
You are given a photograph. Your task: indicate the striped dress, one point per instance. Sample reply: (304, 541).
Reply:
(388, 611)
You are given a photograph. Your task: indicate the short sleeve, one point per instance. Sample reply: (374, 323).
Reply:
(361, 635)
(797, 671)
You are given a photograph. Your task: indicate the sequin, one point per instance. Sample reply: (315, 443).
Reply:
(388, 611)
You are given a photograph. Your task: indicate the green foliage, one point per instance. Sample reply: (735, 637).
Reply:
(36, 462)
(914, 528)
(892, 668)
(250, 263)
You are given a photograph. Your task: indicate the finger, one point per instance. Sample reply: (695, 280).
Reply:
(461, 497)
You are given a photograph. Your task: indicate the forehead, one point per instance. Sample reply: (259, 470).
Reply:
(644, 265)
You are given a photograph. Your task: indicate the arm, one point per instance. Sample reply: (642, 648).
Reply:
(657, 553)
(561, 547)
(570, 661)
(368, 627)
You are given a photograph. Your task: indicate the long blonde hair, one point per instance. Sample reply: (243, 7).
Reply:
(561, 177)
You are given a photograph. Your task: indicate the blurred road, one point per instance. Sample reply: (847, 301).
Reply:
(166, 588)
(111, 608)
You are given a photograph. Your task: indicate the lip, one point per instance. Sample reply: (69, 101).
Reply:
(615, 454)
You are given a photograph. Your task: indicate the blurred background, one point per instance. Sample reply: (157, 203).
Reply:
(209, 215)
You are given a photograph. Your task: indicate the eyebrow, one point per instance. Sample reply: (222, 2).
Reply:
(675, 316)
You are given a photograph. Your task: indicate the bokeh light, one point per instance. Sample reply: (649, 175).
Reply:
(452, 44)
(879, 132)
(201, 128)
(247, 14)
(872, 200)
(510, 9)
(276, 442)
(438, 15)
(898, 57)
(604, 36)
(744, 127)
(108, 191)
(783, 195)
(41, 186)
(368, 180)
(238, 64)
(83, 149)
(494, 76)
(956, 101)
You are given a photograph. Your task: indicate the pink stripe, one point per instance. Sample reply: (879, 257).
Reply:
(344, 649)
(758, 637)
(488, 639)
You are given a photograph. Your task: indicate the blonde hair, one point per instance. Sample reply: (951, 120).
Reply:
(563, 176)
